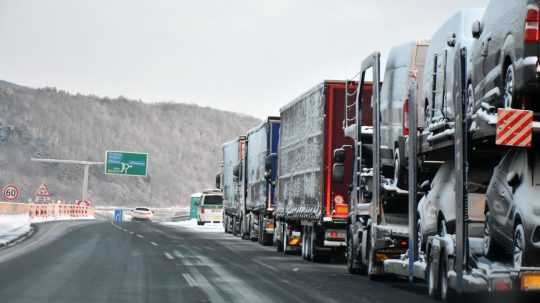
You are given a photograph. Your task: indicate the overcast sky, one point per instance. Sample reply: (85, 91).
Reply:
(246, 56)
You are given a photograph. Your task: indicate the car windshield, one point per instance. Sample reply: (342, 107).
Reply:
(142, 209)
(213, 200)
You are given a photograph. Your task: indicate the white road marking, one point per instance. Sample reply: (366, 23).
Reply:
(154, 243)
(178, 254)
(131, 233)
(168, 255)
(140, 236)
(272, 268)
(189, 279)
(207, 287)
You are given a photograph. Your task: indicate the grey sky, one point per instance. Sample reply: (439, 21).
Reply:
(241, 55)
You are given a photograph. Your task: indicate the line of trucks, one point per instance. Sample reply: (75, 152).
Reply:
(431, 174)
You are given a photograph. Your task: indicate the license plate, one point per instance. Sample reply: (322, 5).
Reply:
(530, 281)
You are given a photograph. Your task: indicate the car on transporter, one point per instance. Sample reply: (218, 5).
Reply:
(506, 68)
(512, 225)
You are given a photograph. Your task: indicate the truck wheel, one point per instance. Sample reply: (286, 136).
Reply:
(304, 243)
(285, 239)
(314, 254)
(443, 280)
(352, 258)
(234, 226)
(262, 233)
(434, 289)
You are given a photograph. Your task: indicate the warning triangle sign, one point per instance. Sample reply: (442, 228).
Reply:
(43, 191)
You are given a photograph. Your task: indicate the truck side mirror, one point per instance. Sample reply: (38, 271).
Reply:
(476, 29)
(237, 174)
(269, 160)
(338, 173)
(339, 155)
(218, 181)
(451, 40)
(513, 180)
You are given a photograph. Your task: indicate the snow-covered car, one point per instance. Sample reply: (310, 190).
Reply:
(402, 59)
(513, 208)
(505, 55)
(141, 214)
(437, 208)
(439, 71)
(210, 208)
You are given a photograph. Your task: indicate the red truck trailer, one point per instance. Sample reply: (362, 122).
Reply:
(312, 210)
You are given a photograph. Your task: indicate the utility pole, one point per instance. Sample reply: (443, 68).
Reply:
(86, 168)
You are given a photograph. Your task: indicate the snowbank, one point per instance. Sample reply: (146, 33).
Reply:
(13, 227)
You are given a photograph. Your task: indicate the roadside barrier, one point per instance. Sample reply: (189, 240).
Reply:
(38, 212)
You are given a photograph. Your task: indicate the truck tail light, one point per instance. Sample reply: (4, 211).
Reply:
(202, 210)
(532, 25)
(406, 117)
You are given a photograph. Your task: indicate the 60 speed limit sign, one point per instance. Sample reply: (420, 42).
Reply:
(10, 192)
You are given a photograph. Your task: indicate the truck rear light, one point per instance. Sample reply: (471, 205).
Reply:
(202, 210)
(403, 243)
(532, 25)
(406, 117)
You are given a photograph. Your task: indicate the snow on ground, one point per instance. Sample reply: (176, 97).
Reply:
(192, 225)
(13, 227)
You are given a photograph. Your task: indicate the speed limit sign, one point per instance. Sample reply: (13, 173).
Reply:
(10, 192)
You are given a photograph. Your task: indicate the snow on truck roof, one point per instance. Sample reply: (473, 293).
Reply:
(196, 195)
(309, 92)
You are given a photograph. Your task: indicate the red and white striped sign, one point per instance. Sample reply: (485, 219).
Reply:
(514, 127)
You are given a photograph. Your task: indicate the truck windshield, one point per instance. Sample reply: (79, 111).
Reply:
(213, 200)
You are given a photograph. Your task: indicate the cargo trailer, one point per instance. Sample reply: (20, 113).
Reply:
(311, 212)
(261, 174)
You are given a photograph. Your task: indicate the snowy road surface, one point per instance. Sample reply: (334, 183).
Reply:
(97, 261)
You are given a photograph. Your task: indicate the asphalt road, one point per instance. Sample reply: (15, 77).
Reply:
(149, 262)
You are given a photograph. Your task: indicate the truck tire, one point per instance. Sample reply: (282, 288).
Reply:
(400, 171)
(234, 226)
(279, 243)
(353, 264)
(434, 289)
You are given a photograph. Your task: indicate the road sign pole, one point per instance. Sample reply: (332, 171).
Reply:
(84, 192)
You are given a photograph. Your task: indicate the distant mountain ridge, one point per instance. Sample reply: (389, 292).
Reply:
(183, 142)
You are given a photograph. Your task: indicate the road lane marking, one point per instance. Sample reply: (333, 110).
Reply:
(207, 287)
(131, 233)
(168, 255)
(140, 236)
(272, 268)
(178, 254)
(154, 243)
(189, 279)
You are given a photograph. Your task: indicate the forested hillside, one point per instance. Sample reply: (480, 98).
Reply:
(183, 142)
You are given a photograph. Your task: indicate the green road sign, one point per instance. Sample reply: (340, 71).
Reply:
(126, 163)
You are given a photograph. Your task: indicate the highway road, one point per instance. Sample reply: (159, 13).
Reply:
(150, 262)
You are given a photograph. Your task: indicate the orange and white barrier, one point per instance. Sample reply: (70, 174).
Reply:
(47, 212)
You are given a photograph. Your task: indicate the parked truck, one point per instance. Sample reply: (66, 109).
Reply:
(455, 258)
(261, 174)
(311, 213)
(234, 186)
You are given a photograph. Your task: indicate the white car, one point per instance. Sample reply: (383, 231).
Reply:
(141, 214)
